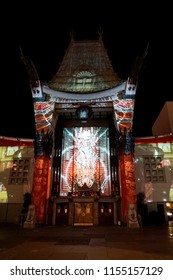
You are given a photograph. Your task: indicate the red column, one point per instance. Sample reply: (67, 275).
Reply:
(40, 187)
(128, 185)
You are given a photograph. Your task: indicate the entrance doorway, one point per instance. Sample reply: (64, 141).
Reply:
(106, 213)
(83, 214)
(62, 210)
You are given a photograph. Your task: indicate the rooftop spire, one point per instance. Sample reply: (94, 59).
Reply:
(100, 33)
(72, 34)
(33, 77)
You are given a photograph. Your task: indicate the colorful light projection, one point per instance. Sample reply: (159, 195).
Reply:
(124, 113)
(160, 186)
(85, 160)
(43, 115)
(6, 163)
(12, 192)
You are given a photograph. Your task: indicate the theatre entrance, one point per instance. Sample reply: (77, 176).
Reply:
(83, 214)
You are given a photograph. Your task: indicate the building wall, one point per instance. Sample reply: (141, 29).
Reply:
(164, 122)
(16, 177)
(159, 191)
(160, 187)
(154, 176)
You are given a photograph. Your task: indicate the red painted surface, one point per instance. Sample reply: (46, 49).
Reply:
(41, 185)
(128, 185)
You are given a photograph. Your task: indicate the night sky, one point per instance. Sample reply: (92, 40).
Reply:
(43, 33)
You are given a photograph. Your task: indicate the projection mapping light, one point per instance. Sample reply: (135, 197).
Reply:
(85, 159)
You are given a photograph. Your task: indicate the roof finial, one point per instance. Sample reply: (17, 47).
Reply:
(100, 33)
(138, 64)
(72, 33)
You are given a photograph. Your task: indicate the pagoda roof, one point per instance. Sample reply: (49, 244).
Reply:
(85, 68)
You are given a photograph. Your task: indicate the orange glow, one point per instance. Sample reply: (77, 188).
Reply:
(16, 142)
(40, 127)
(128, 186)
(156, 139)
(43, 115)
(122, 115)
(127, 125)
(41, 184)
(48, 179)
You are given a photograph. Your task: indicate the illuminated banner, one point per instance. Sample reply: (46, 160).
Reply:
(85, 160)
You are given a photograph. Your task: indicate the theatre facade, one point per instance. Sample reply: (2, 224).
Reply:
(80, 167)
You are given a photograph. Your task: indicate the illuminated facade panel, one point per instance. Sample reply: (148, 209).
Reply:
(15, 173)
(43, 115)
(154, 171)
(85, 160)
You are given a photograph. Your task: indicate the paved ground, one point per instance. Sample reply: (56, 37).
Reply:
(86, 243)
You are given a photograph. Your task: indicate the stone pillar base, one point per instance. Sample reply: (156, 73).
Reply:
(29, 225)
(30, 219)
(132, 217)
(133, 224)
